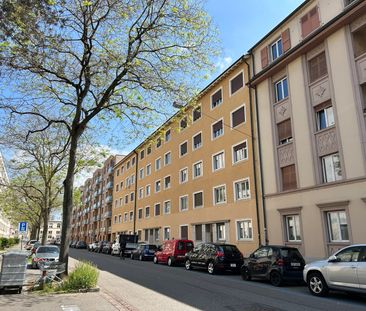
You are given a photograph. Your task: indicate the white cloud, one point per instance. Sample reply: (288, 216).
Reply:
(223, 62)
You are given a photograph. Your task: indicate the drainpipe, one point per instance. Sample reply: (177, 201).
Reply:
(135, 195)
(253, 155)
(259, 155)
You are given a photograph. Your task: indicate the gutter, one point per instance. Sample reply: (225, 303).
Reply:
(135, 195)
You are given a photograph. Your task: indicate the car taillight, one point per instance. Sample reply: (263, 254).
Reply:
(220, 254)
(241, 256)
(280, 262)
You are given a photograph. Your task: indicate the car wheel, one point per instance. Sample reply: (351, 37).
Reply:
(211, 268)
(245, 274)
(141, 258)
(275, 278)
(155, 260)
(170, 262)
(188, 265)
(132, 256)
(317, 285)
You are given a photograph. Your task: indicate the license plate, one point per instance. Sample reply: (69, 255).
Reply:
(295, 264)
(233, 265)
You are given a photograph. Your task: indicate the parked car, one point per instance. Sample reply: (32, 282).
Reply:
(214, 257)
(107, 248)
(30, 244)
(115, 248)
(45, 253)
(345, 271)
(173, 252)
(100, 246)
(92, 246)
(73, 244)
(129, 241)
(34, 247)
(81, 245)
(144, 252)
(277, 264)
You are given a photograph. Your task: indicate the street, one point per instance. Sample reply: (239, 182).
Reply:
(200, 290)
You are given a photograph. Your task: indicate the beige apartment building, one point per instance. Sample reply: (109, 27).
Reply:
(310, 83)
(54, 231)
(194, 177)
(91, 221)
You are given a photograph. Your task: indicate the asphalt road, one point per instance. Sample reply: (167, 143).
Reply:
(219, 292)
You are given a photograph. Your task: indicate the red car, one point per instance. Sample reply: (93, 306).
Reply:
(173, 252)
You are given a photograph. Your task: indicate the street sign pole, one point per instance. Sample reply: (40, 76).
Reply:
(22, 228)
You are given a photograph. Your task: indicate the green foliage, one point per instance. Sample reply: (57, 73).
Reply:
(84, 276)
(8, 242)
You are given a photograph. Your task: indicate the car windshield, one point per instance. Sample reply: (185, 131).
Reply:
(228, 249)
(152, 247)
(291, 253)
(46, 249)
(189, 246)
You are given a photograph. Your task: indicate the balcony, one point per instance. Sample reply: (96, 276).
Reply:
(110, 170)
(95, 206)
(109, 199)
(108, 214)
(95, 218)
(102, 229)
(95, 194)
(98, 204)
(98, 180)
(100, 191)
(110, 185)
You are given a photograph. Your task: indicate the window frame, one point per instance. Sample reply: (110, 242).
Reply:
(180, 175)
(194, 109)
(155, 183)
(170, 158)
(180, 202)
(180, 153)
(169, 130)
(276, 95)
(214, 197)
(232, 127)
(334, 173)
(246, 179)
(193, 199)
(329, 227)
(170, 183)
(223, 130)
(276, 43)
(147, 193)
(200, 146)
(212, 159)
(219, 103)
(244, 220)
(233, 162)
(164, 233)
(180, 123)
(297, 227)
(193, 169)
(241, 72)
(156, 167)
(170, 207)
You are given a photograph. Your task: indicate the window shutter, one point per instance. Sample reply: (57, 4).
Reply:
(239, 147)
(217, 96)
(217, 126)
(184, 232)
(197, 140)
(236, 83)
(286, 40)
(198, 199)
(183, 149)
(289, 178)
(198, 232)
(238, 117)
(284, 130)
(310, 22)
(264, 57)
(314, 18)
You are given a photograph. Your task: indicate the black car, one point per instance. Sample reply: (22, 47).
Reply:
(107, 248)
(275, 263)
(81, 245)
(214, 257)
(100, 246)
(73, 244)
(144, 252)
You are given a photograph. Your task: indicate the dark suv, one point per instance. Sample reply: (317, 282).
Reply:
(274, 263)
(144, 252)
(214, 257)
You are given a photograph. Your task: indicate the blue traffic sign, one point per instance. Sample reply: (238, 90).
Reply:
(23, 226)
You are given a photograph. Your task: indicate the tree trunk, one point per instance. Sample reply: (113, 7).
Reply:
(68, 201)
(33, 233)
(45, 226)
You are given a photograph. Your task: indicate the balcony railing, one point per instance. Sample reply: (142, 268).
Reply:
(108, 214)
(109, 199)
(109, 229)
(110, 185)
(110, 170)
(102, 229)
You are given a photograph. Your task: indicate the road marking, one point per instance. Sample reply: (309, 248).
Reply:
(70, 308)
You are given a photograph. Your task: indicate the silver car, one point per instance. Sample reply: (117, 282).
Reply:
(45, 253)
(345, 270)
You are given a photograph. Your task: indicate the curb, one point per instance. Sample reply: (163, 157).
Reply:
(86, 290)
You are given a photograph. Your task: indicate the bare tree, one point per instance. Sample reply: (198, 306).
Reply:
(73, 62)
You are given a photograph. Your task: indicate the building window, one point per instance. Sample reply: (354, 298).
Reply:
(331, 166)
(184, 232)
(141, 173)
(238, 117)
(117, 173)
(309, 22)
(218, 161)
(244, 229)
(220, 230)
(196, 114)
(197, 169)
(126, 199)
(125, 217)
(167, 206)
(240, 152)
(183, 203)
(140, 213)
(284, 132)
(220, 194)
(147, 211)
(183, 149)
(157, 209)
(198, 232)
(167, 135)
(117, 188)
(157, 186)
(119, 219)
(197, 141)
(276, 49)
(293, 228)
(167, 158)
(133, 161)
(148, 190)
(148, 151)
(131, 216)
(128, 165)
(167, 182)
(141, 193)
(288, 178)
(317, 67)
(241, 189)
(183, 175)
(281, 90)
(236, 83)
(217, 129)
(324, 116)
(337, 226)
(157, 164)
(183, 123)
(166, 233)
(158, 142)
(142, 154)
(198, 199)
(132, 196)
(216, 99)
(148, 170)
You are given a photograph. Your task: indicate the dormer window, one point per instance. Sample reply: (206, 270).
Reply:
(276, 49)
